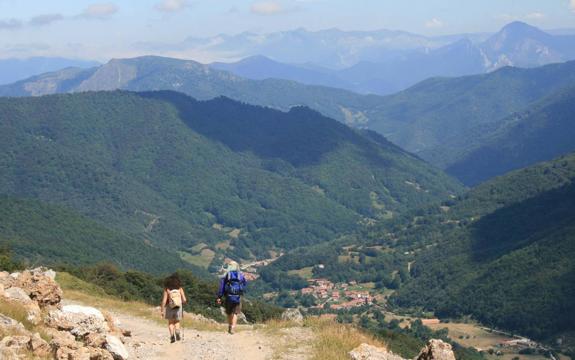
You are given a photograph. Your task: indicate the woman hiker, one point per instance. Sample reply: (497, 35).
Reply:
(172, 307)
(232, 287)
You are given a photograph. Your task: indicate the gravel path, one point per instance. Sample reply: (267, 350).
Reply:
(150, 341)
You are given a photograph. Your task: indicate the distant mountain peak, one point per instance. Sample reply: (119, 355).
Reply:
(517, 31)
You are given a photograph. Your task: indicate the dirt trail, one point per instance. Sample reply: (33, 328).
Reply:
(150, 341)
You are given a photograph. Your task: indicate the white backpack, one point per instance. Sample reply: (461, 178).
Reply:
(174, 298)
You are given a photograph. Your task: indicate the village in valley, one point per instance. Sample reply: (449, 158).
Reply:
(337, 296)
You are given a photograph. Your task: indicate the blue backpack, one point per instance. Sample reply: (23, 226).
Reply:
(234, 287)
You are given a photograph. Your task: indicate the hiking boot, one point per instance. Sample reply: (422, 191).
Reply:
(178, 338)
(230, 330)
(172, 339)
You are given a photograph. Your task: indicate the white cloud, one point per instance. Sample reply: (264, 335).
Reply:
(434, 23)
(267, 8)
(99, 11)
(172, 5)
(572, 5)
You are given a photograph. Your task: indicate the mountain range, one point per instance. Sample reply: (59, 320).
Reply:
(205, 178)
(517, 44)
(438, 119)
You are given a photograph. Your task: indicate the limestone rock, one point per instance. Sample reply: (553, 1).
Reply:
(17, 294)
(8, 324)
(40, 286)
(38, 346)
(95, 340)
(100, 354)
(116, 348)
(14, 344)
(79, 320)
(293, 315)
(370, 352)
(436, 350)
(63, 339)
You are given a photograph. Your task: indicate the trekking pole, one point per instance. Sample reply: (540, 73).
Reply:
(182, 324)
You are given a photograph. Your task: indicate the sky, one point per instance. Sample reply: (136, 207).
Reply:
(90, 29)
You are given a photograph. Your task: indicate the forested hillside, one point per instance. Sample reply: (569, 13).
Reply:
(207, 178)
(502, 253)
(47, 234)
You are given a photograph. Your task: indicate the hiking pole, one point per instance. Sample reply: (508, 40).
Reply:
(182, 323)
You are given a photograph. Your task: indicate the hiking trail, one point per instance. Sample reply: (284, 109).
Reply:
(149, 340)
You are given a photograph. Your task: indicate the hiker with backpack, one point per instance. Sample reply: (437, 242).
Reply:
(231, 289)
(172, 307)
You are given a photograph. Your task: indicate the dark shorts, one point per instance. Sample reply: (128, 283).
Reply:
(232, 308)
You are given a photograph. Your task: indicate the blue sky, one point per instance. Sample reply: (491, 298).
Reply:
(92, 29)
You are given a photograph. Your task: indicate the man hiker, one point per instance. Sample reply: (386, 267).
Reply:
(172, 307)
(232, 287)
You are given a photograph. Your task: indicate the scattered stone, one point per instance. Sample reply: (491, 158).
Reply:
(293, 315)
(116, 348)
(17, 344)
(436, 350)
(370, 352)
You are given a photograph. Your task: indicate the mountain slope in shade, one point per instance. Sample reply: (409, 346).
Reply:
(544, 131)
(12, 70)
(502, 252)
(180, 173)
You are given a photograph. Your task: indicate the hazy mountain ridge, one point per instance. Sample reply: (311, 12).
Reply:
(12, 70)
(517, 44)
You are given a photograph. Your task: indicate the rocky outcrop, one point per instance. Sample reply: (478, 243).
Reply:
(76, 332)
(293, 315)
(433, 350)
(436, 350)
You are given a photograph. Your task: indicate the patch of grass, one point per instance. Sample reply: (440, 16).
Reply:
(203, 259)
(334, 341)
(304, 273)
(17, 312)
